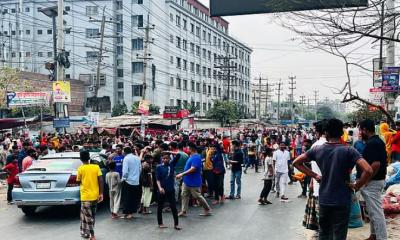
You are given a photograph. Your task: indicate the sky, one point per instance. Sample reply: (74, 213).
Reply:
(277, 54)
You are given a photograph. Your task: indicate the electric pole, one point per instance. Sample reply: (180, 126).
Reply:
(255, 103)
(260, 90)
(316, 104)
(60, 39)
(227, 72)
(302, 103)
(147, 55)
(279, 100)
(292, 88)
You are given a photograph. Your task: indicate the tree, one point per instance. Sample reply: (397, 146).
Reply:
(119, 109)
(10, 81)
(192, 108)
(325, 112)
(224, 112)
(363, 112)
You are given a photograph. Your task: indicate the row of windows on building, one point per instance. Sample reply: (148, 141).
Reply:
(27, 32)
(29, 54)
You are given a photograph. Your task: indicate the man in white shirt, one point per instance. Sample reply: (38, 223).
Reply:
(281, 158)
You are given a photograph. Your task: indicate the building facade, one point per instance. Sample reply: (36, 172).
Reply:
(185, 57)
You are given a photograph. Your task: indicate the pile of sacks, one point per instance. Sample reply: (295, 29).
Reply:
(391, 201)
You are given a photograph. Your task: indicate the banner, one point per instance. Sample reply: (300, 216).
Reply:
(94, 118)
(22, 99)
(239, 7)
(144, 107)
(61, 92)
(376, 96)
(377, 72)
(390, 79)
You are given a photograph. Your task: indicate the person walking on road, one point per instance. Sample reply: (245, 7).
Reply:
(335, 161)
(91, 190)
(192, 182)
(236, 170)
(268, 176)
(165, 176)
(114, 185)
(131, 190)
(281, 158)
(375, 154)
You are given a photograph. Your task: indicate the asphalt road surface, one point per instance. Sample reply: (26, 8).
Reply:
(236, 219)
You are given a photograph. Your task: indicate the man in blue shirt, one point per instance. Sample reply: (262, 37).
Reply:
(192, 182)
(131, 190)
(165, 176)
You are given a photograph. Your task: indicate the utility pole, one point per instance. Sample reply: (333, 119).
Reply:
(279, 100)
(227, 75)
(255, 104)
(20, 42)
(60, 39)
(260, 87)
(302, 103)
(100, 56)
(316, 104)
(292, 88)
(147, 55)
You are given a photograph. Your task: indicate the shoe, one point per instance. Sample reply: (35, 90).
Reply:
(277, 194)
(273, 191)
(302, 196)
(261, 202)
(238, 197)
(230, 198)
(284, 198)
(267, 202)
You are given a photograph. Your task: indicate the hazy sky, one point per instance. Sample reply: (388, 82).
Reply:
(277, 54)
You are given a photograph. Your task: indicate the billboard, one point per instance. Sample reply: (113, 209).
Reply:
(144, 107)
(390, 79)
(61, 92)
(240, 7)
(22, 99)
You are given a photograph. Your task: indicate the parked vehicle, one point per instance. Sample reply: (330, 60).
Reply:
(51, 181)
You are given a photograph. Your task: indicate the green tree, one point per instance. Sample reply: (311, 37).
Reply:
(325, 112)
(224, 112)
(119, 109)
(363, 112)
(32, 111)
(10, 80)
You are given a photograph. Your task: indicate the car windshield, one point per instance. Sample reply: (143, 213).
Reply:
(56, 165)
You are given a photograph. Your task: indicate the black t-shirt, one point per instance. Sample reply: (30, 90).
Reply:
(336, 162)
(375, 151)
(237, 156)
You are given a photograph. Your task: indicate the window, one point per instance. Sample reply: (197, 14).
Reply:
(184, 43)
(198, 31)
(119, 23)
(204, 53)
(178, 62)
(219, 92)
(5, 11)
(184, 84)
(198, 106)
(13, 54)
(178, 102)
(120, 40)
(209, 72)
(137, 67)
(209, 37)
(91, 56)
(119, 5)
(204, 107)
(192, 47)
(40, 54)
(204, 35)
(120, 85)
(204, 71)
(215, 91)
(119, 62)
(178, 20)
(13, 10)
(198, 87)
(192, 28)
(49, 31)
(27, 9)
(92, 11)
(184, 65)
(27, 54)
(49, 54)
(28, 32)
(137, 90)
(198, 50)
(120, 50)
(91, 32)
(67, 8)
(171, 81)
(178, 83)
(192, 86)
(209, 55)
(178, 42)
(198, 69)
(137, 44)
(171, 38)
(215, 40)
(209, 89)
(171, 17)
(184, 24)
(204, 88)
(120, 72)
(171, 60)
(137, 1)
(137, 21)
(192, 66)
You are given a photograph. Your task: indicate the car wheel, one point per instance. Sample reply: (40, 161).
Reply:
(29, 210)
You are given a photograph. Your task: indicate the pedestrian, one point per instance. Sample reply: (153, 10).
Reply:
(375, 154)
(306, 181)
(166, 189)
(118, 158)
(335, 161)
(147, 188)
(113, 181)
(236, 171)
(28, 160)
(268, 176)
(91, 192)
(252, 153)
(192, 182)
(208, 172)
(131, 190)
(395, 142)
(281, 157)
(179, 161)
(11, 168)
(218, 173)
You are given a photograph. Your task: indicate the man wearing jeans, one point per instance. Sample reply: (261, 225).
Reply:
(281, 158)
(375, 154)
(236, 170)
(336, 162)
(192, 182)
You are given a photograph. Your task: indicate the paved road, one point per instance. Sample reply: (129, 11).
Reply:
(238, 219)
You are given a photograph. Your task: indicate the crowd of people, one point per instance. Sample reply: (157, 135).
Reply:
(188, 168)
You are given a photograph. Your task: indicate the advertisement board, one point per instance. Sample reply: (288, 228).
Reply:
(390, 79)
(61, 123)
(61, 92)
(22, 99)
(144, 106)
(377, 72)
(240, 7)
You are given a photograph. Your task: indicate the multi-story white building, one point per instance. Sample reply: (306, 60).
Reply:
(186, 49)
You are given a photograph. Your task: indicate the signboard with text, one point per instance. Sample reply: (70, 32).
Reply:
(61, 123)
(61, 92)
(377, 71)
(240, 7)
(23, 99)
(171, 109)
(390, 79)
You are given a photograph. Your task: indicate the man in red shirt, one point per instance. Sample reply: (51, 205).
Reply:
(28, 160)
(12, 170)
(227, 149)
(396, 144)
